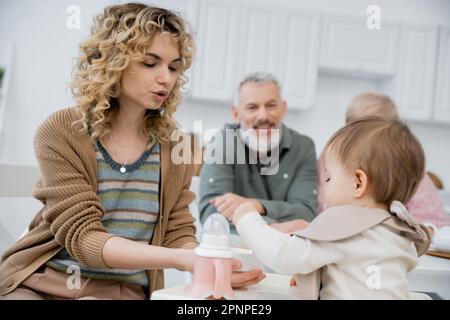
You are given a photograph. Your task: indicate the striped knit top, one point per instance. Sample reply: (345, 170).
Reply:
(131, 202)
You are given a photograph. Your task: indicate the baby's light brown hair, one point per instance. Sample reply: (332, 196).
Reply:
(387, 151)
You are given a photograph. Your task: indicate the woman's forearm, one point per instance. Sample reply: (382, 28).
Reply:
(120, 253)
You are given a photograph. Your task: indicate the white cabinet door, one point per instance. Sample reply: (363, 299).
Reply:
(414, 84)
(261, 29)
(283, 43)
(235, 39)
(349, 47)
(442, 101)
(300, 74)
(217, 51)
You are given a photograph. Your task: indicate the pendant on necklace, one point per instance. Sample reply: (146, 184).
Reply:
(123, 169)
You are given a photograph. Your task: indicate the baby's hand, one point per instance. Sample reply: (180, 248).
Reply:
(243, 209)
(293, 282)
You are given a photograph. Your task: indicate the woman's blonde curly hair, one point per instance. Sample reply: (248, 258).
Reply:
(119, 36)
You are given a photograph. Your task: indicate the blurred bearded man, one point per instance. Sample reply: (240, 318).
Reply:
(264, 162)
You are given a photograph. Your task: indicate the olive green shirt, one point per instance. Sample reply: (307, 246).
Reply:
(289, 194)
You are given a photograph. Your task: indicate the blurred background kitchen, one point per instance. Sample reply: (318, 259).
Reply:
(323, 52)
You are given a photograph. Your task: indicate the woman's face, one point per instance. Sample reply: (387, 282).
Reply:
(147, 84)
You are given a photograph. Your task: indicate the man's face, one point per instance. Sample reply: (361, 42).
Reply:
(260, 107)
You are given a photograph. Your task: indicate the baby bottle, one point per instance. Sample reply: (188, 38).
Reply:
(213, 264)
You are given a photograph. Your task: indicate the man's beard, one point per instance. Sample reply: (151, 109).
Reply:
(262, 143)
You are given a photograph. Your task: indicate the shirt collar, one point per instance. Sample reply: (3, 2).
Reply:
(286, 138)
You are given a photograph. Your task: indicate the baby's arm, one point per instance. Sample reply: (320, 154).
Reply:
(283, 252)
(279, 251)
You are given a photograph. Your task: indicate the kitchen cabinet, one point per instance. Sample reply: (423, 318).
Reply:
(217, 50)
(442, 98)
(413, 87)
(235, 39)
(410, 62)
(349, 47)
(283, 43)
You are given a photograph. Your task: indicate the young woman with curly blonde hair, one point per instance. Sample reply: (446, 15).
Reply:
(115, 206)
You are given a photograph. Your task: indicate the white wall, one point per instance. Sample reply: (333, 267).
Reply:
(45, 49)
(41, 67)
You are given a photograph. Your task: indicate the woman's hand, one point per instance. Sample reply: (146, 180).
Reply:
(240, 279)
(184, 259)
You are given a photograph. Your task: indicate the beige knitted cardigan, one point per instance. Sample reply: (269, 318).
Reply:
(72, 212)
